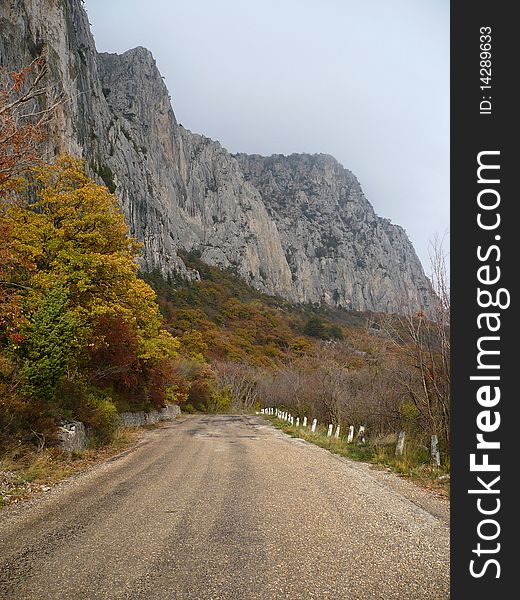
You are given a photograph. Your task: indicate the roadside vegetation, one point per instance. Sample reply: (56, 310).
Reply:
(26, 470)
(81, 334)
(413, 464)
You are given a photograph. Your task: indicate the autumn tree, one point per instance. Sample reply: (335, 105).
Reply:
(26, 108)
(89, 320)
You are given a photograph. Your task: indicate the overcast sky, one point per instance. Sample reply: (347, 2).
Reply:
(364, 80)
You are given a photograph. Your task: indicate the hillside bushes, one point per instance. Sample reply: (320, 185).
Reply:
(386, 372)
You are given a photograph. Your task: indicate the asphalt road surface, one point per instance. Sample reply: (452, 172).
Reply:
(227, 507)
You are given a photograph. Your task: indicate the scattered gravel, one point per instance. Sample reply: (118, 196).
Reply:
(13, 489)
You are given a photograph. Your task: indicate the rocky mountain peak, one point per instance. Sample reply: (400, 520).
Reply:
(297, 226)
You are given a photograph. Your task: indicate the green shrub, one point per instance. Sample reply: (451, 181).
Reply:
(98, 411)
(49, 346)
(220, 400)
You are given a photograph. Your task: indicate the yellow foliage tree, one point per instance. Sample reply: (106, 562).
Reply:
(72, 234)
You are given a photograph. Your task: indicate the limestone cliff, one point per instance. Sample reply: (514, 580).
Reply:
(298, 226)
(338, 249)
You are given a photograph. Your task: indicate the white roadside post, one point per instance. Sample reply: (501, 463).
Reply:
(436, 455)
(399, 449)
(313, 426)
(329, 432)
(350, 436)
(292, 420)
(336, 435)
(361, 435)
(297, 421)
(305, 421)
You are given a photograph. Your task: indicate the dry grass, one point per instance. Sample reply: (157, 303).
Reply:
(24, 471)
(413, 464)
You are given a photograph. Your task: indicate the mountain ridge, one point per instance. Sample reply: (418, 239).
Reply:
(297, 226)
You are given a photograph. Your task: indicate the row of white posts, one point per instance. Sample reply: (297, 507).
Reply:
(399, 449)
(286, 416)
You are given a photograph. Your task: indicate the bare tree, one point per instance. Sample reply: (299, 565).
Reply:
(242, 382)
(27, 106)
(423, 341)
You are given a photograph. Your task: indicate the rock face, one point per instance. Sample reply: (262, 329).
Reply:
(298, 226)
(339, 251)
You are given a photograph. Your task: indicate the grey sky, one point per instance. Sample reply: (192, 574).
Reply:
(364, 80)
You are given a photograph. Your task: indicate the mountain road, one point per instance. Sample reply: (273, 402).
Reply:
(227, 507)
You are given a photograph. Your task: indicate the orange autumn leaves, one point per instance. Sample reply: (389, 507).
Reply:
(25, 111)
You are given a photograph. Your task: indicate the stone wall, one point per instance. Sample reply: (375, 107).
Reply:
(138, 419)
(74, 435)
